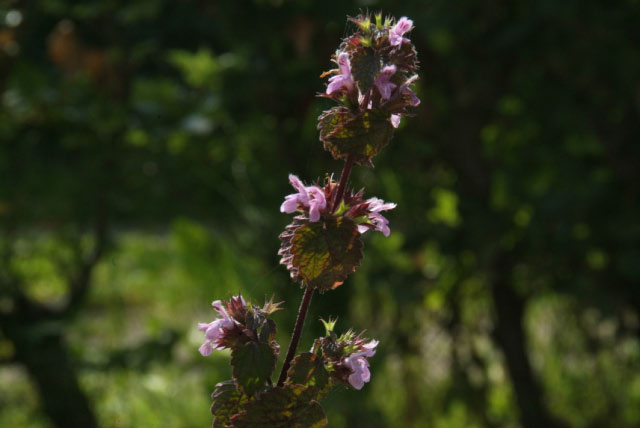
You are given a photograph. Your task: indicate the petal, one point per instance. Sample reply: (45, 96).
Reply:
(387, 72)
(371, 345)
(403, 25)
(344, 64)
(414, 101)
(377, 205)
(290, 204)
(335, 84)
(356, 381)
(213, 332)
(203, 326)
(395, 122)
(314, 213)
(297, 184)
(362, 228)
(227, 324)
(370, 348)
(394, 39)
(206, 348)
(219, 307)
(317, 195)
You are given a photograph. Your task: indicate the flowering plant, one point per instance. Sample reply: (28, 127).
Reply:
(322, 246)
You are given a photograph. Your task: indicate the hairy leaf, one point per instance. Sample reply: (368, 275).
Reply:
(323, 253)
(227, 401)
(268, 331)
(308, 369)
(283, 407)
(253, 364)
(361, 135)
(365, 66)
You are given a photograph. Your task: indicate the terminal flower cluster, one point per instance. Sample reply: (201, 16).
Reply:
(383, 49)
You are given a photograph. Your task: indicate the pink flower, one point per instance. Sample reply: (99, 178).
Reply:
(414, 101)
(344, 79)
(214, 330)
(382, 81)
(403, 26)
(408, 98)
(310, 198)
(380, 223)
(359, 365)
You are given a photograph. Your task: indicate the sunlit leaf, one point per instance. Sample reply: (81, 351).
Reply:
(227, 401)
(360, 135)
(321, 254)
(283, 407)
(308, 369)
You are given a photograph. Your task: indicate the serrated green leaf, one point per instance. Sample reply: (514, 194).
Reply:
(253, 319)
(227, 401)
(283, 407)
(268, 331)
(323, 253)
(308, 369)
(359, 135)
(253, 364)
(365, 66)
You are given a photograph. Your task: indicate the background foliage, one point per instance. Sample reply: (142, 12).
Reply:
(144, 150)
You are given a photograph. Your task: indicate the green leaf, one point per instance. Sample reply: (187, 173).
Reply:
(360, 135)
(283, 407)
(227, 401)
(268, 331)
(365, 66)
(323, 253)
(253, 364)
(308, 369)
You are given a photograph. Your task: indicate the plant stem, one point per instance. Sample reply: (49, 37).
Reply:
(297, 332)
(343, 183)
(308, 293)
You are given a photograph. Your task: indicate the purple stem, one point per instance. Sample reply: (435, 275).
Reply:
(297, 332)
(343, 183)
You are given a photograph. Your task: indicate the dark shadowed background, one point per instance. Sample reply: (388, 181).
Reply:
(144, 153)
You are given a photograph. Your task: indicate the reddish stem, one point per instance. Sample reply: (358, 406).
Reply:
(297, 332)
(343, 183)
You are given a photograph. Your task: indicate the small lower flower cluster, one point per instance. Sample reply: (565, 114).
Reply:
(346, 357)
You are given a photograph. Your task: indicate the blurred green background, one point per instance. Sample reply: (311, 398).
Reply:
(144, 153)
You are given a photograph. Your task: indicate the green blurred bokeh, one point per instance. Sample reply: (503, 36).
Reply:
(162, 132)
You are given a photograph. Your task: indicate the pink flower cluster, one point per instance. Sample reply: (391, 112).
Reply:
(343, 82)
(312, 199)
(359, 365)
(308, 198)
(379, 222)
(216, 329)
